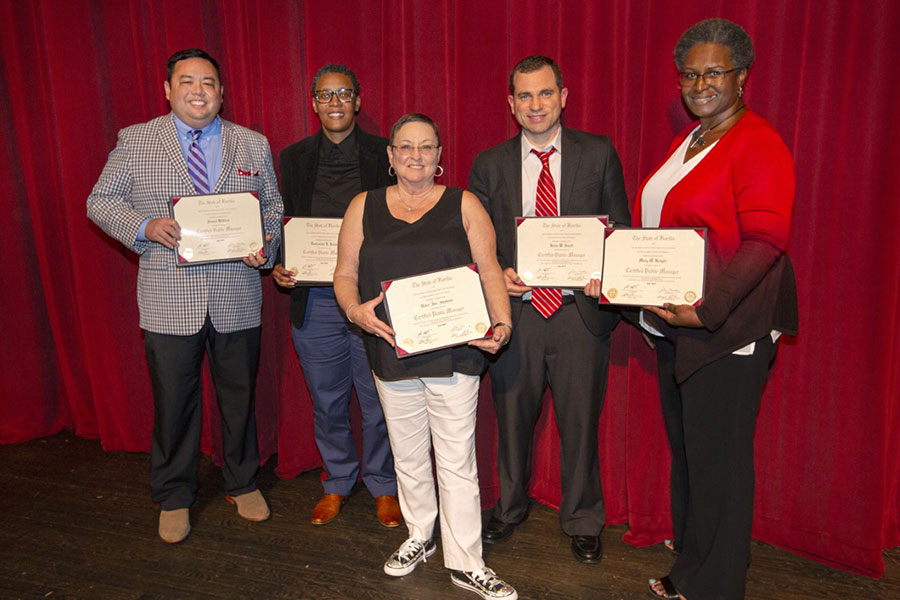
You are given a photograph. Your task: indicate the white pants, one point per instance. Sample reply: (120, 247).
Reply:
(439, 411)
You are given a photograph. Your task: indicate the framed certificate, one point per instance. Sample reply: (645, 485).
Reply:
(650, 267)
(560, 252)
(217, 227)
(436, 310)
(310, 247)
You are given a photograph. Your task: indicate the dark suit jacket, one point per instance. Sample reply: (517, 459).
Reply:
(592, 184)
(299, 163)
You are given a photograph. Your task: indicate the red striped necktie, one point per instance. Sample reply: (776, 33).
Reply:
(546, 300)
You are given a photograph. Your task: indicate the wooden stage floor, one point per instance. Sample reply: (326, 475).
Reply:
(77, 522)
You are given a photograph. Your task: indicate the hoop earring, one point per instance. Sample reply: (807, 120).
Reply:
(391, 171)
(436, 173)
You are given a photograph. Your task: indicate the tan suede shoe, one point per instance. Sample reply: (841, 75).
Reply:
(388, 510)
(251, 506)
(174, 525)
(327, 509)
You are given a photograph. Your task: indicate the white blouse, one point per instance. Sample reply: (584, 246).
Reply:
(667, 177)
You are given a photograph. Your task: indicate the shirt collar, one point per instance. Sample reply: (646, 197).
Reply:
(347, 146)
(183, 129)
(527, 146)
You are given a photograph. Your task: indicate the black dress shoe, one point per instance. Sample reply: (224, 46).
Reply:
(587, 548)
(496, 531)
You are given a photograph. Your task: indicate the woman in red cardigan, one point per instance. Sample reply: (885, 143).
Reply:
(733, 175)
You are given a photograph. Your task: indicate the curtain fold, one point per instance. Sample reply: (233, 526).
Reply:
(74, 72)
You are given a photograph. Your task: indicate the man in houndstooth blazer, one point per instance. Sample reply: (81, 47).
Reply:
(184, 310)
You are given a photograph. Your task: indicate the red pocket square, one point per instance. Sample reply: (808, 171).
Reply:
(244, 173)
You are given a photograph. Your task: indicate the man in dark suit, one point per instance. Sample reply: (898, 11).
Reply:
(185, 310)
(319, 176)
(561, 337)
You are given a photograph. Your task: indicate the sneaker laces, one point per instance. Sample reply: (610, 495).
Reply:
(409, 549)
(486, 577)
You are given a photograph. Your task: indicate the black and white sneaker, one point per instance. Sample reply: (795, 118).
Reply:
(485, 583)
(408, 555)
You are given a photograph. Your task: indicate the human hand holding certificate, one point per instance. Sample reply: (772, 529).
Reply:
(217, 227)
(652, 267)
(561, 252)
(310, 248)
(436, 310)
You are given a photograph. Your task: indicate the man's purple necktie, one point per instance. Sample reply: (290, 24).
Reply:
(196, 164)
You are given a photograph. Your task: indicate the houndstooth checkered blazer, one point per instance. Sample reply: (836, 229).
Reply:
(143, 172)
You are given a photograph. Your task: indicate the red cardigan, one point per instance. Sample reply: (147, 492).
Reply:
(743, 192)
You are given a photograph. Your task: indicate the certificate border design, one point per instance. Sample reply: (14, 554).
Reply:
(181, 261)
(400, 352)
(701, 231)
(519, 220)
(307, 282)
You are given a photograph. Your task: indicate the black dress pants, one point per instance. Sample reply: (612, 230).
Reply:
(562, 353)
(670, 399)
(720, 403)
(175, 364)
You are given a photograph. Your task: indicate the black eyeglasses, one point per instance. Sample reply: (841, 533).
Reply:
(325, 96)
(715, 77)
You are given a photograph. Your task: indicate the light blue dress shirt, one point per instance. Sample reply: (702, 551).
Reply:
(211, 144)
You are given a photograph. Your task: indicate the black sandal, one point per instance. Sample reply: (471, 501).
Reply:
(670, 593)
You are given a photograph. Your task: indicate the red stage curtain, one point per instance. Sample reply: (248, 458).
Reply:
(73, 72)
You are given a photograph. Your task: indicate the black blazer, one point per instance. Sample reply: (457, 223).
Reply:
(299, 163)
(592, 184)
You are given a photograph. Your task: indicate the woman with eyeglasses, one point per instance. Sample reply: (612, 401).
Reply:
(732, 174)
(430, 399)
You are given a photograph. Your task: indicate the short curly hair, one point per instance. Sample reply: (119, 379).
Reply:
(340, 70)
(717, 31)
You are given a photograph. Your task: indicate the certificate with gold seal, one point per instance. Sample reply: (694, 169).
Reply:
(436, 310)
(217, 227)
(560, 252)
(310, 248)
(652, 267)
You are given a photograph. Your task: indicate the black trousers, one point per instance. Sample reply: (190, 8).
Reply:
(562, 353)
(720, 403)
(670, 399)
(175, 364)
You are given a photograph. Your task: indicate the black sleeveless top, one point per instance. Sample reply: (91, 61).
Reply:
(393, 248)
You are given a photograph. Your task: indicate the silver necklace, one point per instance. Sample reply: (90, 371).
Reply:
(697, 137)
(410, 208)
